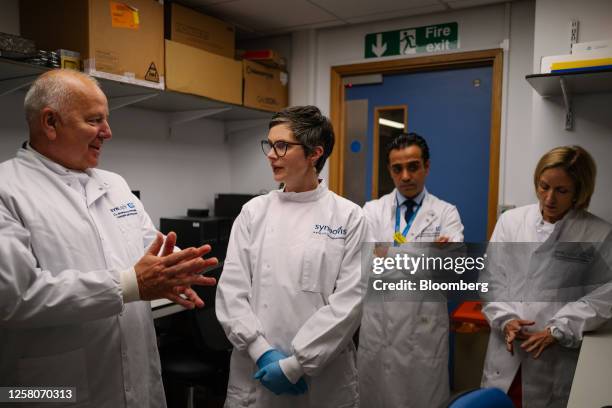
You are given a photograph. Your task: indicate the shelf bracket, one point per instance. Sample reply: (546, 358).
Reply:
(574, 24)
(8, 86)
(177, 118)
(123, 101)
(237, 126)
(567, 100)
(189, 116)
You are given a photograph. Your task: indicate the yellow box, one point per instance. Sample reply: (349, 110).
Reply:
(581, 64)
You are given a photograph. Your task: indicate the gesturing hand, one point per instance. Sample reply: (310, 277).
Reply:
(170, 274)
(514, 330)
(537, 342)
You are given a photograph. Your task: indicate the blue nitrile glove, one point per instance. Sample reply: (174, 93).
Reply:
(269, 357)
(273, 378)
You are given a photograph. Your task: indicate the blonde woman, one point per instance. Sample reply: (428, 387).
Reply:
(549, 297)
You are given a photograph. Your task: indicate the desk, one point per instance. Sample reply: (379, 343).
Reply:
(591, 386)
(165, 307)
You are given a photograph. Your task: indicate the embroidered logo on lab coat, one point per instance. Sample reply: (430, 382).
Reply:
(338, 232)
(124, 210)
(431, 232)
(569, 254)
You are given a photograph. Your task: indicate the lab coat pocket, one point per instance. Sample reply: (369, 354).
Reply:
(58, 370)
(571, 266)
(131, 231)
(320, 267)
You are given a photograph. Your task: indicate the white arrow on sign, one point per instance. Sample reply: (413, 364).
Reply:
(379, 48)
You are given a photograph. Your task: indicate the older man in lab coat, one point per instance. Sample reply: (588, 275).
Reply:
(75, 271)
(403, 346)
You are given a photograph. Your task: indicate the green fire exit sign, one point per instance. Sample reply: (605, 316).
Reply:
(417, 40)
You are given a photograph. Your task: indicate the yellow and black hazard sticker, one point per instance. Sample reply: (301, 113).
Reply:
(152, 74)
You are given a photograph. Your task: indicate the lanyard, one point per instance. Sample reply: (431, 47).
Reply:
(400, 237)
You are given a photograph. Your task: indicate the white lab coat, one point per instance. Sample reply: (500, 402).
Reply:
(292, 280)
(403, 345)
(62, 318)
(536, 272)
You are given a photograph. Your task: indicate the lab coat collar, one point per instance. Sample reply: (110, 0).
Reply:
(560, 227)
(95, 187)
(425, 216)
(564, 224)
(306, 196)
(543, 228)
(570, 215)
(418, 199)
(395, 196)
(28, 152)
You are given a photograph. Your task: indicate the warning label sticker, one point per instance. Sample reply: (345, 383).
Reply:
(152, 74)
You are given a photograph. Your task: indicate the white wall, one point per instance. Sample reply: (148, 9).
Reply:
(316, 51)
(592, 119)
(302, 79)
(250, 170)
(516, 171)
(175, 172)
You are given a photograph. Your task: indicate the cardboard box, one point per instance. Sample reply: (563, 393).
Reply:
(198, 72)
(269, 58)
(117, 40)
(190, 27)
(264, 88)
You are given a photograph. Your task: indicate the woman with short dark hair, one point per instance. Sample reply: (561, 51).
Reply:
(290, 293)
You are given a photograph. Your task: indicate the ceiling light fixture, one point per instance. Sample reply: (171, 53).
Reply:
(390, 123)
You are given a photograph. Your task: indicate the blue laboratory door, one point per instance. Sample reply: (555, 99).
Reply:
(451, 109)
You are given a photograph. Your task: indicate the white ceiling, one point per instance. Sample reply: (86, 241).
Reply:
(257, 18)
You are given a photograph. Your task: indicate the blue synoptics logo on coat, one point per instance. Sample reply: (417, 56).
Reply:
(124, 210)
(332, 232)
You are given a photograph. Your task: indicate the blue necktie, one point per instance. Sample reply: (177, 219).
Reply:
(409, 210)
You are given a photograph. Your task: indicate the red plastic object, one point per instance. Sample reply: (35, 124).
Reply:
(469, 312)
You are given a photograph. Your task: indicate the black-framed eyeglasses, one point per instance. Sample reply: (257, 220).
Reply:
(280, 147)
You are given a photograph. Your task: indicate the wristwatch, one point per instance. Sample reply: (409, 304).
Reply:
(557, 334)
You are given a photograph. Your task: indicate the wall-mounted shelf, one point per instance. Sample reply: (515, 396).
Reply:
(16, 75)
(568, 84)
